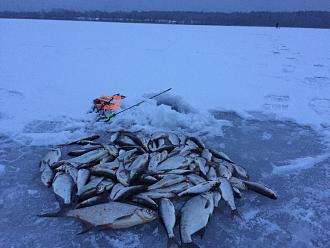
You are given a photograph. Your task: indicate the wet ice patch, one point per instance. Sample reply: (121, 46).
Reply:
(299, 164)
(320, 105)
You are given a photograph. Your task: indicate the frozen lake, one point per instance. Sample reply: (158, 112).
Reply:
(268, 91)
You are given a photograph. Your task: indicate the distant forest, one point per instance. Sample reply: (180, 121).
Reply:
(306, 19)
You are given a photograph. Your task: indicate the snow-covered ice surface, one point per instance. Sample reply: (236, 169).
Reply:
(259, 94)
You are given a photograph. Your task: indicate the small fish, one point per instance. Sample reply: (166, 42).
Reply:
(174, 139)
(195, 179)
(82, 178)
(80, 152)
(114, 215)
(261, 189)
(238, 183)
(167, 181)
(103, 170)
(91, 201)
(158, 195)
(227, 194)
(195, 215)
(126, 192)
(93, 183)
(240, 172)
(51, 157)
(199, 188)
(144, 200)
(221, 155)
(176, 188)
(88, 138)
(216, 198)
(201, 163)
(207, 154)
(197, 141)
(116, 188)
(167, 214)
(89, 157)
(177, 162)
(63, 187)
(156, 159)
(211, 175)
(139, 165)
(47, 175)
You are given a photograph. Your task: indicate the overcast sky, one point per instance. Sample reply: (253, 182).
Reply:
(193, 5)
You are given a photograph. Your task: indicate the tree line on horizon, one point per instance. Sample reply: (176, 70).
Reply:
(306, 19)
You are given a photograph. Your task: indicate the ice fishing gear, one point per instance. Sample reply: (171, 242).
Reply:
(111, 115)
(104, 103)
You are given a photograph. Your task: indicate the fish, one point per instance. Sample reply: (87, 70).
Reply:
(173, 139)
(63, 186)
(80, 152)
(126, 192)
(177, 162)
(261, 189)
(89, 157)
(82, 178)
(92, 184)
(144, 200)
(216, 198)
(51, 157)
(156, 159)
(91, 201)
(116, 188)
(195, 215)
(138, 166)
(197, 141)
(175, 188)
(168, 217)
(207, 154)
(211, 175)
(158, 195)
(195, 179)
(201, 163)
(199, 188)
(88, 138)
(221, 155)
(167, 181)
(111, 215)
(103, 170)
(240, 172)
(47, 176)
(238, 183)
(227, 194)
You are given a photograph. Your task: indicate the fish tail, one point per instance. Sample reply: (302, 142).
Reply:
(189, 245)
(59, 213)
(235, 213)
(173, 241)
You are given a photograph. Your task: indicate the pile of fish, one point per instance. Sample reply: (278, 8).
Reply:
(128, 180)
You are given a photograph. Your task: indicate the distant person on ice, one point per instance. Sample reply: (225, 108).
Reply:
(277, 25)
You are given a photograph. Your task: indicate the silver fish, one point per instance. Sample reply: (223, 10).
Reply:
(138, 166)
(207, 154)
(103, 170)
(156, 159)
(167, 181)
(216, 198)
(240, 172)
(195, 215)
(93, 183)
(211, 175)
(47, 175)
(199, 188)
(177, 162)
(113, 215)
(227, 194)
(63, 187)
(174, 139)
(238, 183)
(122, 175)
(167, 214)
(91, 201)
(261, 189)
(51, 157)
(89, 157)
(220, 155)
(126, 192)
(144, 200)
(195, 179)
(201, 163)
(116, 188)
(158, 195)
(176, 188)
(82, 178)
(88, 138)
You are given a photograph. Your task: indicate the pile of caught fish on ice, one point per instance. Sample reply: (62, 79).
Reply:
(130, 180)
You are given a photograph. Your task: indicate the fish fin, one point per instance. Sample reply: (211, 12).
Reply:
(172, 242)
(235, 213)
(85, 227)
(201, 232)
(189, 245)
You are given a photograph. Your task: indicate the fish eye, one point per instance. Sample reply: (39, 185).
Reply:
(149, 211)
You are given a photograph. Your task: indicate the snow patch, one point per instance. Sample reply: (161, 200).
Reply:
(299, 164)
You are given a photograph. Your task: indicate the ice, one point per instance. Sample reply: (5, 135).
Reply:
(300, 164)
(261, 95)
(2, 169)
